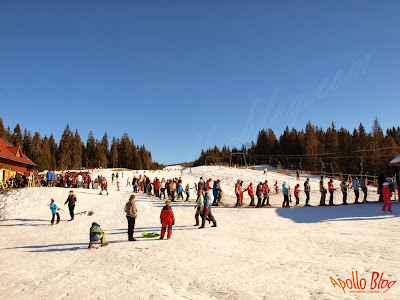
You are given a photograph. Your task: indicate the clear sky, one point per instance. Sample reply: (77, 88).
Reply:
(181, 76)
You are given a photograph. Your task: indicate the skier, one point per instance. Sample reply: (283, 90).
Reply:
(207, 214)
(356, 187)
(103, 186)
(259, 193)
(215, 193)
(331, 191)
(128, 182)
(187, 190)
(96, 235)
(162, 188)
(199, 207)
(266, 191)
(296, 193)
(343, 188)
(250, 191)
(167, 218)
(131, 215)
(54, 212)
(237, 192)
(386, 198)
(364, 188)
(285, 192)
(276, 187)
(173, 190)
(381, 181)
(322, 189)
(71, 204)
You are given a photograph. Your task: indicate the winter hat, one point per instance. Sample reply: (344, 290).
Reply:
(168, 202)
(331, 180)
(284, 182)
(95, 224)
(52, 200)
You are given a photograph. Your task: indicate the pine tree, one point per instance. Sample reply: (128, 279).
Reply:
(27, 142)
(37, 151)
(2, 129)
(16, 139)
(77, 151)
(114, 153)
(65, 150)
(53, 152)
(91, 151)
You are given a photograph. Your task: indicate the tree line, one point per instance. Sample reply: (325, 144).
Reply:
(314, 149)
(73, 153)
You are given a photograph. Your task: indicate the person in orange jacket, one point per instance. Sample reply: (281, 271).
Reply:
(331, 189)
(167, 218)
(296, 193)
(249, 189)
(266, 191)
(386, 198)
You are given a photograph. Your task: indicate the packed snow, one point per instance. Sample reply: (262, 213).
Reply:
(254, 253)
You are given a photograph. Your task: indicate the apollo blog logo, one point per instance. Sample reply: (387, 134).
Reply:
(376, 284)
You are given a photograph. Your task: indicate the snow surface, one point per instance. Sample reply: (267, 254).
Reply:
(254, 253)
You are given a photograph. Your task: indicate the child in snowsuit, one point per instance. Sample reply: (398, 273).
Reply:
(54, 211)
(167, 218)
(103, 185)
(386, 198)
(97, 235)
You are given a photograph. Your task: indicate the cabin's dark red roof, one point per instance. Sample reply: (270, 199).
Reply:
(10, 152)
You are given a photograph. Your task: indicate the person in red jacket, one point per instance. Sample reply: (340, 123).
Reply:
(386, 198)
(296, 193)
(331, 189)
(167, 218)
(208, 184)
(251, 193)
(103, 184)
(266, 191)
(276, 187)
(157, 187)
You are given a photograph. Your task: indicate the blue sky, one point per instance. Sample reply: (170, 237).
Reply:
(181, 76)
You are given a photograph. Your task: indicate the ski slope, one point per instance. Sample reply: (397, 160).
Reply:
(254, 253)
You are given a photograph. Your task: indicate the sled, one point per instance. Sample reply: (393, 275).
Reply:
(150, 234)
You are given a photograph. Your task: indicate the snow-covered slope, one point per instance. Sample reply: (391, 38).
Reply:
(254, 253)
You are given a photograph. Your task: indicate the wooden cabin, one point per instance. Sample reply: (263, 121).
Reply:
(12, 161)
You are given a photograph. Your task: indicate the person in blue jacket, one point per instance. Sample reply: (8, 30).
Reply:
(285, 192)
(97, 235)
(54, 212)
(215, 192)
(180, 192)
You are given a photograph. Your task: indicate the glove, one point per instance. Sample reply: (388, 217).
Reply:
(160, 221)
(173, 223)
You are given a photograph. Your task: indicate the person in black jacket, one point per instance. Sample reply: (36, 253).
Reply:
(381, 181)
(71, 204)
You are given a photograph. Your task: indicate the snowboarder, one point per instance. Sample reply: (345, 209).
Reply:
(97, 235)
(285, 192)
(331, 191)
(131, 215)
(71, 204)
(386, 197)
(167, 218)
(54, 212)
